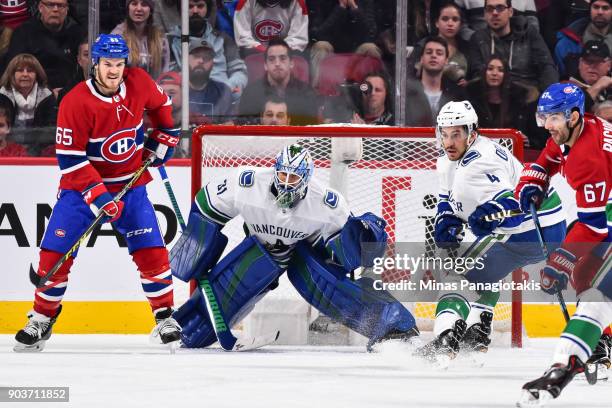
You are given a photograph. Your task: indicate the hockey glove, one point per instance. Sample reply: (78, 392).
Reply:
(448, 231)
(532, 186)
(476, 221)
(100, 200)
(161, 143)
(558, 271)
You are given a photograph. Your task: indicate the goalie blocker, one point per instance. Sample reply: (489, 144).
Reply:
(248, 272)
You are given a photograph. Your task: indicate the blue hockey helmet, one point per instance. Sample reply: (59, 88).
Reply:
(293, 169)
(109, 46)
(559, 98)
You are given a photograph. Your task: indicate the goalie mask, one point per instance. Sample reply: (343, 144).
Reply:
(293, 169)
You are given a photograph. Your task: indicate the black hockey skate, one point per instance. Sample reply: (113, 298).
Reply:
(599, 362)
(550, 385)
(601, 354)
(167, 330)
(477, 336)
(445, 346)
(393, 335)
(37, 331)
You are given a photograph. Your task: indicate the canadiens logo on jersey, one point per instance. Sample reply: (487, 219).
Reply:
(14, 12)
(119, 146)
(265, 30)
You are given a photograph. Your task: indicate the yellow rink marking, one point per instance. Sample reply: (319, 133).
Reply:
(124, 317)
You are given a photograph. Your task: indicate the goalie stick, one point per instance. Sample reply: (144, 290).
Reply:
(166, 181)
(227, 340)
(39, 281)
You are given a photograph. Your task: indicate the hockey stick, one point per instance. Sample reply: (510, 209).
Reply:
(39, 281)
(177, 210)
(538, 228)
(226, 339)
(501, 215)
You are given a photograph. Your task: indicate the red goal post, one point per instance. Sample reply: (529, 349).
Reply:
(394, 163)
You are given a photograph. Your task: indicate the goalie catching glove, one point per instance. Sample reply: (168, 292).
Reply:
(99, 199)
(161, 143)
(532, 186)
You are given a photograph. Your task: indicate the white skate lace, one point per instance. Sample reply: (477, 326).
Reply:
(168, 325)
(35, 327)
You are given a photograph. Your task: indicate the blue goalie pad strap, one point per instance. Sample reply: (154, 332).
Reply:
(238, 282)
(369, 312)
(198, 248)
(359, 242)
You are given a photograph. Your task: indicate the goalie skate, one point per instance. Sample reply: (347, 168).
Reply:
(410, 337)
(167, 331)
(445, 347)
(37, 331)
(538, 392)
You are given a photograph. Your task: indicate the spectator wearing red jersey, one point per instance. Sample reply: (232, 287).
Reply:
(13, 13)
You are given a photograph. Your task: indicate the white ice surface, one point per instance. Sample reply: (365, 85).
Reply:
(125, 371)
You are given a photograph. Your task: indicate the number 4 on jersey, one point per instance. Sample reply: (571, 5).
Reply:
(493, 178)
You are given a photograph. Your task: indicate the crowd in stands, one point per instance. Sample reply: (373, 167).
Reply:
(302, 62)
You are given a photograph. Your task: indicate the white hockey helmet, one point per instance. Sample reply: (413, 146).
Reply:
(457, 114)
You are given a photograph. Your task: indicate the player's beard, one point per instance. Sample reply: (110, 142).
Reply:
(103, 83)
(561, 139)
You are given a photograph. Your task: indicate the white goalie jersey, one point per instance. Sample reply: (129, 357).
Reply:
(488, 171)
(319, 215)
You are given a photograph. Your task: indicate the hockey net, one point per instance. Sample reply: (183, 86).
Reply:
(393, 177)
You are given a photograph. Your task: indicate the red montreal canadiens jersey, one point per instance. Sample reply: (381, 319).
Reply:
(587, 167)
(100, 139)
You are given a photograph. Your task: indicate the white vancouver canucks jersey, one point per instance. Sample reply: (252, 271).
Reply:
(319, 215)
(488, 171)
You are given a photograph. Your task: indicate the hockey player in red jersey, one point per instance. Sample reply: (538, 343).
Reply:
(580, 149)
(100, 143)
